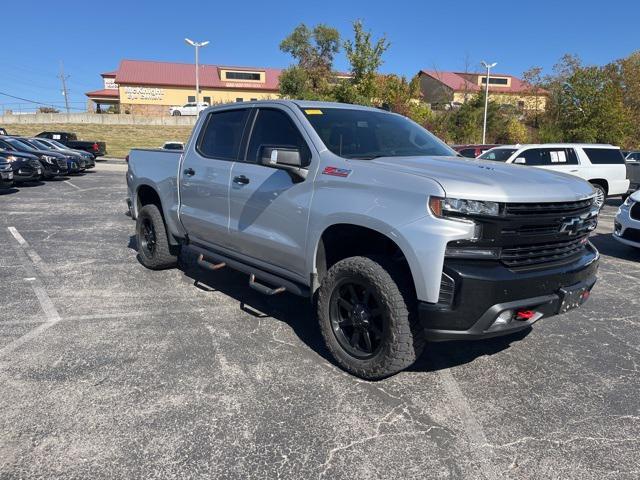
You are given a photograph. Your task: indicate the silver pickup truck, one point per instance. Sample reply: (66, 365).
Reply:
(394, 238)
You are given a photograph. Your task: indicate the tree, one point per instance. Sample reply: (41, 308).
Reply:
(365, 57)
(314, 51)
(533, 80)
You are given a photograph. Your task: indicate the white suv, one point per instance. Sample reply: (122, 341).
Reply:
(601, 165)
(187, 109)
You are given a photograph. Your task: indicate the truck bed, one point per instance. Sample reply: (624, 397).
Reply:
(159, 169)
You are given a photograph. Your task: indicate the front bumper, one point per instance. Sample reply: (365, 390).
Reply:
(27, 174)
(483, 290)
(627, 229)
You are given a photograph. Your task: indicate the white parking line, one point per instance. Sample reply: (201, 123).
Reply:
(51, 314)
(33, 255)
(73, 185)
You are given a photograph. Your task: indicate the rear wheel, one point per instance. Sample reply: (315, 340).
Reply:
(601, 194)
(367, 315)
(176, 113)
(153, 243)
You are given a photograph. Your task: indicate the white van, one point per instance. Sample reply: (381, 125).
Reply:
(601, 165)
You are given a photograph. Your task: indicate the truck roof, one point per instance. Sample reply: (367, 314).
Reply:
(309, 104)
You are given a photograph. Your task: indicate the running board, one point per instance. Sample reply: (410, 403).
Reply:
(263, 288)
(215, 261)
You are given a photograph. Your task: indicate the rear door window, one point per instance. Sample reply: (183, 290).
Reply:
(604, 156)
(222, 134)
(468, 152)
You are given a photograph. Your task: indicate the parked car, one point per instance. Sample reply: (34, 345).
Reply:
(6, 173)
(395, 238)
(60, 148)
(601, 165)
(187, 109)
(473, 151)
(25, 167)
(633, 171)
(97, 149)
(626, 226)
(53, 164)
(173, 146)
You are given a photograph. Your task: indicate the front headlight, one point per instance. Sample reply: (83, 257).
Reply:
(441, 206)
(628, 202)
(48, 159)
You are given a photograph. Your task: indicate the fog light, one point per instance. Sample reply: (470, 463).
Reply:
(503, 319)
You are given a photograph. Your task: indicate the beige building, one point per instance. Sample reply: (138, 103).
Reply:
(450, 88)
(149, 88)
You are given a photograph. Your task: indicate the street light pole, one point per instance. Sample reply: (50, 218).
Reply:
(197, 46)
(488, 66)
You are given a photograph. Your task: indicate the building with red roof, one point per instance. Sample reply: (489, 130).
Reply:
(447, 89)
(150, 88)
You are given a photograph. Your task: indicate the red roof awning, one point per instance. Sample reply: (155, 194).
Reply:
(104, 93)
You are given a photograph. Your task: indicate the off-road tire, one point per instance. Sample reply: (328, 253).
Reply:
(161, 257)
(403, 339)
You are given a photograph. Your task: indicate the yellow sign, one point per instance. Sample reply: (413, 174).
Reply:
(313, 112)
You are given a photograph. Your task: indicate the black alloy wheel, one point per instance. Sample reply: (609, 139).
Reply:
(357, 318)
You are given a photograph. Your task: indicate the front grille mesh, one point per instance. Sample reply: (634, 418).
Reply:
(543, 253)
(563, 208)
(631, 234)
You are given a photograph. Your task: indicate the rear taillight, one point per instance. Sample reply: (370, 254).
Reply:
(95, 147)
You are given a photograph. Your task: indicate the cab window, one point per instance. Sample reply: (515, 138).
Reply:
(274, 128)
(222, 134)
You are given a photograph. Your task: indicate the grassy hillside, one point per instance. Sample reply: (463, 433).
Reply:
(120, 138)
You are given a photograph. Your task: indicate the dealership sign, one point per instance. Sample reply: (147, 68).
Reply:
(110, 84)
(143, 93)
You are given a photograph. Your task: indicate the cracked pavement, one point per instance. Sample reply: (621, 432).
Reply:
(191, 374)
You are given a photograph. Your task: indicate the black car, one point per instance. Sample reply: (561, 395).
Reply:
(26, 167)
(6, 174)
(53, 164)
(46, 144)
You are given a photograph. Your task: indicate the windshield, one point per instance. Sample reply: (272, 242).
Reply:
(367, 134)
(41, 144)
(19, 144)
(57, 144)
(498, 154)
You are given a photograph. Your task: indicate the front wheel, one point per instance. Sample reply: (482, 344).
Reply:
(176, 113)
(153, 243)
(367, 314)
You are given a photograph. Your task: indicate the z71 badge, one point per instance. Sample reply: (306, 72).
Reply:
(336, 172)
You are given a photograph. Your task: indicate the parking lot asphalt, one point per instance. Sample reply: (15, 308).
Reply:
(109, 370)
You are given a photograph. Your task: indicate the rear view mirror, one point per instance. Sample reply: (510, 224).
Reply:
(283, 158)
(520, 161)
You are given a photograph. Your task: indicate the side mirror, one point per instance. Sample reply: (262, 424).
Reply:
(520, 161)
(283, 158)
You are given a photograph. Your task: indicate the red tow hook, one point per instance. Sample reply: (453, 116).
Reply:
(525, 315)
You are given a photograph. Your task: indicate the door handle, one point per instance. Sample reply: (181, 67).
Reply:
(189, 172)
(241, 180)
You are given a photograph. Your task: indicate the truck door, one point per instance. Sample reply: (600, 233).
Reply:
(205, 175)
(269, 209)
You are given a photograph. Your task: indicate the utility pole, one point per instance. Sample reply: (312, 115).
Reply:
(65, 92)
(488, 66)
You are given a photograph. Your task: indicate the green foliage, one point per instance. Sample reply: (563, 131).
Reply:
(314, 51)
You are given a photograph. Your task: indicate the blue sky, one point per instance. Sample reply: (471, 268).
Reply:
(423, 34)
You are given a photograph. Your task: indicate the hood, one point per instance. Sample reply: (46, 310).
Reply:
(494, 181)
(21, 155)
